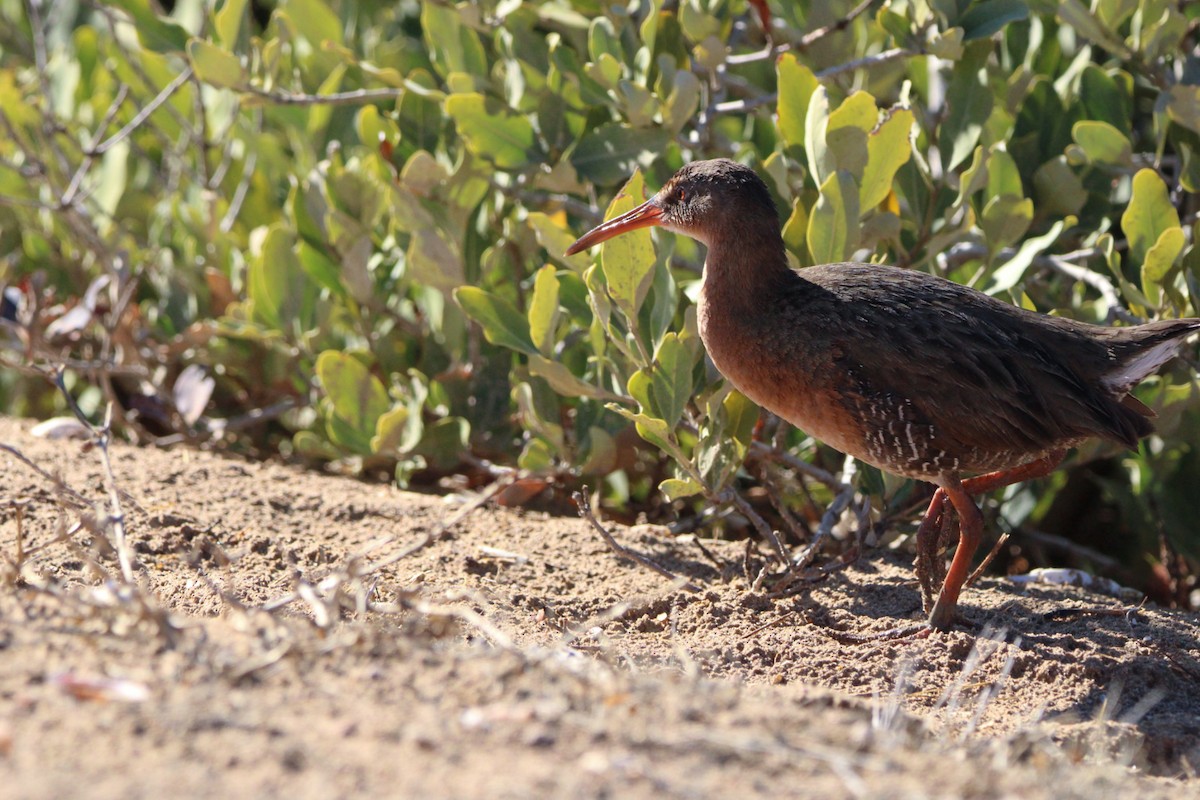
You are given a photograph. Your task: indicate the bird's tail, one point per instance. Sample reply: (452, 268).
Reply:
(1143, 349)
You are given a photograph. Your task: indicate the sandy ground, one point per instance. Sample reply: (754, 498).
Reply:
(288, 635)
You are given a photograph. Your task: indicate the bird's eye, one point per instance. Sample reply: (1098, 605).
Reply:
(680, 195)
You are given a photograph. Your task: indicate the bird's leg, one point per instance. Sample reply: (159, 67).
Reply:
(970, 527)
(928, 535)
(1006, 477)
(970, 531)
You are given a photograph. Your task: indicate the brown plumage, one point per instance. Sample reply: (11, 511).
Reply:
(915, 374)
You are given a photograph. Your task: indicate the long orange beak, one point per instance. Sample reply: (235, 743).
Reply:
(645, 215)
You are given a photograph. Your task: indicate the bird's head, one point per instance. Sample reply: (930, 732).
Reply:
(704, 200)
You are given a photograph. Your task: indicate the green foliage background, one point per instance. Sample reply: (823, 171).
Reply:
(347, 220)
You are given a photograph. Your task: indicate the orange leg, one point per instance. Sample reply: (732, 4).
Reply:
(970, 528)
(928, 538)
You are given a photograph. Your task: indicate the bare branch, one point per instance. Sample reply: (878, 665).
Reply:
(807, 40)
(142, 115)
(357, 97)
(739, 106)
(101, 437)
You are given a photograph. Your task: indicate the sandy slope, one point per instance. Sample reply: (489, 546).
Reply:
(563, 672)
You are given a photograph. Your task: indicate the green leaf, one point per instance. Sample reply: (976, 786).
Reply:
(1183, 106)
(1102, 143)
(1003, 177)
(562, 380)
(833, 224)
(317, 265)
(681, 104)
(741, 417)
(601, 453)
(1103, 99)
(114, 178)
(846, 132)
(888, 148)
(453, 46)
(1150, 212)
(1058, 189)
(603, 39)
(536, 456)
(535, 420)
(358, 399)
(434, 260)
(990, 16)
(795, 229)
(396, 432)
(556, 238)
(628, 259)
(320, 114)
(947, 45)
(969, 104)
(491, 131)
(444, 442)
(1010, 273)
(654, 431)
(229, 21)
(281, 294)
(1160, 259)
(1005, 220)
(612, 151)
(974, 177)
(543, 309)
(154, 32)
(796, 86)
(820, 160)
(419, 115)
(214, 65)
(314, 20)
(671, 378)
(679, 488)
(502, 324)
(1077, 15)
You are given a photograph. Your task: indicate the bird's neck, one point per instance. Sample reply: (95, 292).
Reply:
(745, 268)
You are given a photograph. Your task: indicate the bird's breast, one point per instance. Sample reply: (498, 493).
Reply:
(781, 367)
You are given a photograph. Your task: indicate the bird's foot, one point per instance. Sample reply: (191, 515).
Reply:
(918, 630)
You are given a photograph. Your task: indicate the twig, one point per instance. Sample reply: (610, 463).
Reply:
(833, 512)
(142, 115)
(738, 106)
(1129, 612)
(760, 524)
(239, 194)
(974, 576)
(468, 616)
(1074, 548)
(85, 166)
(18, 506)
(1062, 264)
(585, 511)
(812, 37)
(101, 436)
(352, 98)
(805, 41)
(764, 450)
(53, 479)
(352, 572)
(781, 618)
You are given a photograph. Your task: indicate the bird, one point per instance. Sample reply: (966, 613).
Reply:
(912, 373)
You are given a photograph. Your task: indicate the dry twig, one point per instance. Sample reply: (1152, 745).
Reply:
(585, 511)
